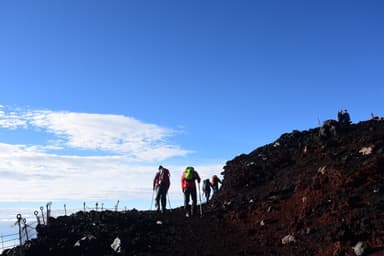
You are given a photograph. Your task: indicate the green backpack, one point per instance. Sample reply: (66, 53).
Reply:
(188, 174)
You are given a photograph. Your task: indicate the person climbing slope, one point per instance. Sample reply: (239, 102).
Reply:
(161, 184)
(206, 189)
(188, 187)
(215, 183)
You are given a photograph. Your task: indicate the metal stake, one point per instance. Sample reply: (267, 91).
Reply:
(18, 217)
(36, 213)
(42, 214)
(201, 208)
(25, 228)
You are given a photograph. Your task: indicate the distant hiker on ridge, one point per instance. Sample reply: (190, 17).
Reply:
(343, 117)
(161, 184)
(340, 116)
(188, 186)
(347, 118)
(377, 118)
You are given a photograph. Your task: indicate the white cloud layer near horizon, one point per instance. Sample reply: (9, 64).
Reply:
(122, 166)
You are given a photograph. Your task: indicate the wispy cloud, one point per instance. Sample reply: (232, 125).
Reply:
(116, 134)
(11, 120)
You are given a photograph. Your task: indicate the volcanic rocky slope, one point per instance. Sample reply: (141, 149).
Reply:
(315, 192)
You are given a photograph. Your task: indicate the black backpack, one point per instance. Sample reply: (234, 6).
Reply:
(206, 186)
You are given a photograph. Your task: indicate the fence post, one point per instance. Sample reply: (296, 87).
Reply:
(18, 217)
(65, 210)
(42, 214)
(97, 204)
(117, 205)
(102, 206)
(84, 206)
(25, 228)
(36, 213)
(48, 211)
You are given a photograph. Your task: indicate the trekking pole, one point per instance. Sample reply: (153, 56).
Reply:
(169, 202)
(201, 207)
(153, 194)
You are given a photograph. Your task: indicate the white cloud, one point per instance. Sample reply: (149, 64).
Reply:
(33, 176)
(117, 160)
(116, 134)
(11, 120)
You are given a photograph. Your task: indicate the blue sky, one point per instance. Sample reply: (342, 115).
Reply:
(96, 94)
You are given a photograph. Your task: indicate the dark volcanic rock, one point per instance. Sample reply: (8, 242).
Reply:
(315, 192)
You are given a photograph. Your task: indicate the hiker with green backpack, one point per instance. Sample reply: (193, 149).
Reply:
(189, 189)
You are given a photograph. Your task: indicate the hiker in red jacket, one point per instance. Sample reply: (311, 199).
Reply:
(189, 189)
(161, 184)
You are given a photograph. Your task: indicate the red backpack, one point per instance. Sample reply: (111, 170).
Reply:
(164, 177)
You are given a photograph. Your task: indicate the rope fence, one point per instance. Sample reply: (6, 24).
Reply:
(27, 230)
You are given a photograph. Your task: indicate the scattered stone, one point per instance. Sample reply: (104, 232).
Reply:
(116, 245)
(288, 239)
(322, 170)
(366, 150)
(84, 240)
(359, 248)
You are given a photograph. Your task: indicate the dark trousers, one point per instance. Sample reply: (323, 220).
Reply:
(161, 196)
(207, 194)
(190, 193)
